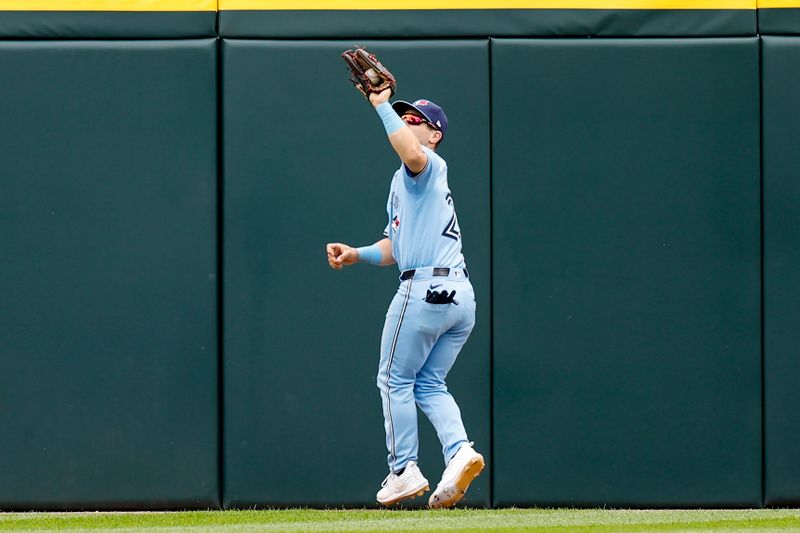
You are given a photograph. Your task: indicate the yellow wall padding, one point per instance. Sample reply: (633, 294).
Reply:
(778, 3)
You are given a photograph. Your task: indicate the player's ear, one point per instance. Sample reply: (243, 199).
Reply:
(435, 137)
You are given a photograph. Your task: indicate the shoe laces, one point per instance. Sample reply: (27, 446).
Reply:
(389, 479)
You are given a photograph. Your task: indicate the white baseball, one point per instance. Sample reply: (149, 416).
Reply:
(372, 75)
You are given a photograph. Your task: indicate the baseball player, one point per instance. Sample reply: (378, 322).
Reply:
(433, 312)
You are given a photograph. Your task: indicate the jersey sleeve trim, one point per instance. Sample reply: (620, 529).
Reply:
(417, 184)
(418, 174)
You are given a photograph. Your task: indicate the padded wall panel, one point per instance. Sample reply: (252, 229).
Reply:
(626, 272)
(106, 24)
(781, 108)
(108, 393)
(775, 21)
(482, 22)
(303, 168)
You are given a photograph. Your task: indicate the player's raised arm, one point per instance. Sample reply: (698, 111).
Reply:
(403, 140)
(341, 255)
(373, 80)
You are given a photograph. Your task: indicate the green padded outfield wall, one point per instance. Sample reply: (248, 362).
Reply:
(108, 393)
(405, 19)
(432, 23)
(627, 365)
(781, 161)
(107, 19)
(303, 168)
(779, 17)
(106, 25)
(626, 249)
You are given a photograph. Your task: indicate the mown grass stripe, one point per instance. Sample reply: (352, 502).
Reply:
(501, 520)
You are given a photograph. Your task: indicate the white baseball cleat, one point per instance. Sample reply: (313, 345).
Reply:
(462, 469)
(409, 484)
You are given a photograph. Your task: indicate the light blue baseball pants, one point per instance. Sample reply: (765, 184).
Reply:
(419, 345)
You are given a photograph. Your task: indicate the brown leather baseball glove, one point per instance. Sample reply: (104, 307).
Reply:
(367, 73)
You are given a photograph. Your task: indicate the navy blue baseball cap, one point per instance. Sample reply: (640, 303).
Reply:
(432, 112)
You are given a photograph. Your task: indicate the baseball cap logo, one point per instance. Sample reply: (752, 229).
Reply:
(421, 102)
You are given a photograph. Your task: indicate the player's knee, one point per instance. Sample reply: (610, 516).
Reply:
(428, 386)
(395, 382)
(401, 382)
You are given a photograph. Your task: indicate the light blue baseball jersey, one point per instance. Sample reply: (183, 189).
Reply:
(423, 226)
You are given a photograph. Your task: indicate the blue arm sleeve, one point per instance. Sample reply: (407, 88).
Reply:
(370, 254)
(391, 120)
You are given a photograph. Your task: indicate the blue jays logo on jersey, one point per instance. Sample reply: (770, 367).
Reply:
(396, 223)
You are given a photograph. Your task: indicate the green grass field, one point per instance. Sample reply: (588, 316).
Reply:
(511, 520)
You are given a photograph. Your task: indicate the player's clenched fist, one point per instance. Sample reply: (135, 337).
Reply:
(340, 255)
